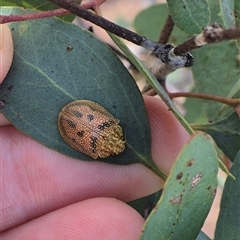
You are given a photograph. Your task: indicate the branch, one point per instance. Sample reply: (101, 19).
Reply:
(166, 31)
(159, 70)
(162, 51)
(211, 34)
(233, 102)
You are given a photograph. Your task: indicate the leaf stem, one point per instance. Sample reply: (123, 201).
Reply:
(228, 101)
(45, 14)
(32, 16)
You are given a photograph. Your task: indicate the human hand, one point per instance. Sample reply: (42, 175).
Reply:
(47, 195)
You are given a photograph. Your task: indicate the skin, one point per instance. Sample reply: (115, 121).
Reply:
(6, 50)
(46, 195)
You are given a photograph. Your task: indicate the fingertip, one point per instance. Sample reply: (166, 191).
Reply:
(96, 218)
(168, 135)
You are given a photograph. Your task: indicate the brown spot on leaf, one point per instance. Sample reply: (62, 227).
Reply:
(190, 162)
(196, 179)
(179, 176)
(177, 199)
(69, 48)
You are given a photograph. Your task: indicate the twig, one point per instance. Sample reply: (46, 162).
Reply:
(166, 31)
(159, 70)
(228, 101)
(105, 24)
(31, 16)
(163, 51)
(211, 34)
(46, 14)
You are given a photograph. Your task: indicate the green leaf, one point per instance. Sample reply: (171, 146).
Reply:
(57, 62)
(195, 113)
(42, 5)
(237, 12)
(190, 16)
(202, 236)
(145, 205)
(215, 71)
(188, 193)
(226, 134)
(151, 21)
(229, 221)
(227, 10)
(215, 10)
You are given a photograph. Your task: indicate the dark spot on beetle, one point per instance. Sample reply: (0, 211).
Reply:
(90, 117)
(81, 133)
(93, 144)
(71, 124)
(69, 48)
(101, 127)
(190, 162)
(179, 176)
(106, 125)
(2, 104)
(77, 114)
(73, 139)
(10, 88)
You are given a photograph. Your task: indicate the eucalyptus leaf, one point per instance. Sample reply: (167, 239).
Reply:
(190, 16)
(202, 236)
(188, 193)
(215, 11)
(57, 62)
(229, 221)
(233, 93)
(145, 205)
(227, 11)
(151, 21)
(195, 113)
(226, 134)
(216, 71)
(237, 12)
